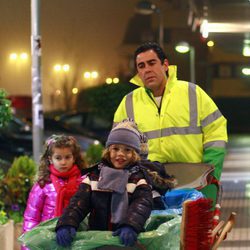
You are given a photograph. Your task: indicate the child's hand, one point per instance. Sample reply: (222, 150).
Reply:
(127, 235)
(65, 235)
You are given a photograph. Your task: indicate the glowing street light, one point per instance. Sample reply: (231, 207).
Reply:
(18, 57)
(184, 47)
(60, 67)
(86, 75)
(65, 67)
(94, 74)
(13, 56)
(210, 43)
(90, 75)
(116, 80)
(110, 80)
(75, 91)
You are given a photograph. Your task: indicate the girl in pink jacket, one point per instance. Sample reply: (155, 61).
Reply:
(58, 179)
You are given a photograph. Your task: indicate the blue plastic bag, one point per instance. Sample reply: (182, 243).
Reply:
(173, 200)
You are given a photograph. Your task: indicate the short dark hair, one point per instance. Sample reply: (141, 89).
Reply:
(150, 46)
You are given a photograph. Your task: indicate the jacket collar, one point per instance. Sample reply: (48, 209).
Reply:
(172, 71)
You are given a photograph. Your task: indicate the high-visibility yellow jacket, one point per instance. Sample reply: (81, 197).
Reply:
(188, 126)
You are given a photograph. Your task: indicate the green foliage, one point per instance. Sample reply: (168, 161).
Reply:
(5, 109)
(103, 99)
(15, 187)
(3, 217)
(94, 154)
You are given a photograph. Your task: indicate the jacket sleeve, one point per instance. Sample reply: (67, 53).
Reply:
(214, 128)
(215, 156)
(140, 207)
(78, 208)
(34, 208)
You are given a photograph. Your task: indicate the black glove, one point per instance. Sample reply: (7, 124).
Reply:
(65, 235)
(127, 235)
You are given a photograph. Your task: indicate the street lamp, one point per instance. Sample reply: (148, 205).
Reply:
(184, 47)
(147, 8)
(18, 58)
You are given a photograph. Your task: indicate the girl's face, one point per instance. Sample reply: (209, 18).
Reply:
(62, 159)
(120, 155)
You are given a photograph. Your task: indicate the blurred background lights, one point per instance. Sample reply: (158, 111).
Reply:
(57, 67)
(74, 91)
(204, 28)
(66, 67)
(23, 56)
(13, 56)
(108, 80)
(20, 57)
(86, 75)
(246, 71)
(182, 47)
(58, 92)
(210, 43)
(90, 75)
(248, 190)
(94, 74)
(116, 80)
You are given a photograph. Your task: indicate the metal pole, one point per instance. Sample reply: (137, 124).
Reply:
(161, 28)
(192, 64)
(37, 107)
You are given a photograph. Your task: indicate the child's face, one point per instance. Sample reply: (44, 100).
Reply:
(62, 159)
(120, 155)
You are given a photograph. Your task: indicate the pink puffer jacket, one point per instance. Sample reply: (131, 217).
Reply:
(40, 206)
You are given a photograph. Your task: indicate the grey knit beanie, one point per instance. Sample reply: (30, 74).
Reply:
(124, 133)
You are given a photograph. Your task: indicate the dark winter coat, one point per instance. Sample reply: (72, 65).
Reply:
(89, 199)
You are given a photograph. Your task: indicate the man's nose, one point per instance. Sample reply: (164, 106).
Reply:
(147, 68)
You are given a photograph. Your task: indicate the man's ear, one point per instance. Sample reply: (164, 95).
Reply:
(166, 64)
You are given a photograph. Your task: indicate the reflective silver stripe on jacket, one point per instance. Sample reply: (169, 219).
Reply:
(218, 144)
(129, 106)
(211, 118)
(192, 129)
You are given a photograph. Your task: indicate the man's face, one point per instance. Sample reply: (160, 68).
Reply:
(151, 71)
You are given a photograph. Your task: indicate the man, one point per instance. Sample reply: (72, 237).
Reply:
(181, 121)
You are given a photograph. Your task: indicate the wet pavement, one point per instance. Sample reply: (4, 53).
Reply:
(236, 192)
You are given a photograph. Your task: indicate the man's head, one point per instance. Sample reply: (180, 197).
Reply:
(150, 46)
(152, 67)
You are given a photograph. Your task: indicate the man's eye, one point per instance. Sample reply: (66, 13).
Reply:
(151, 63)
(140, 66)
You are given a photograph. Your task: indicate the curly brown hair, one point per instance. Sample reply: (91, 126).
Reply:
(58, 141)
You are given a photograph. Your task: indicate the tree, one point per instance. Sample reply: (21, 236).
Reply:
(5, 109)
(103, 99)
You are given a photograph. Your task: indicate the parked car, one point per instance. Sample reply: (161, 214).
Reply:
(52, 126)
(16, 138)
(87, 123)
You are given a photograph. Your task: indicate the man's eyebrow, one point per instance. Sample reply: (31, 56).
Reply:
(149, 61)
